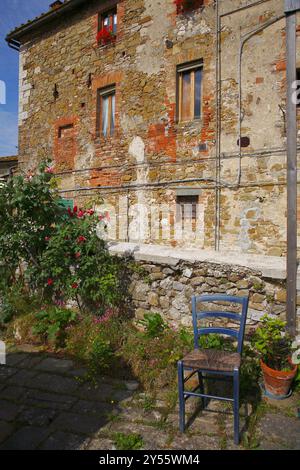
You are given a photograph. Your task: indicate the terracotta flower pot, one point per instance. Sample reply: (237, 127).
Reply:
(277, 382)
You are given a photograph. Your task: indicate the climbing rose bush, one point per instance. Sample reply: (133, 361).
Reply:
(76, 264)
(54, 252)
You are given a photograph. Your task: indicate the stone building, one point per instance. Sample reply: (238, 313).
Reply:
(172, 116)
(8, 165)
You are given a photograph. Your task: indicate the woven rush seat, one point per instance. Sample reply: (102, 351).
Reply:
(212, 359)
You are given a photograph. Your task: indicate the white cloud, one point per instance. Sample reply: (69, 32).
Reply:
(8, 133)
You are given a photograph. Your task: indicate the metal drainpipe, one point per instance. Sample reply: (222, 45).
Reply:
(218, 131)
(246, 38)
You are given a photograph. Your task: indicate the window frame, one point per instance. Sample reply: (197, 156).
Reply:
(180, 69)
(104, 14)
(104, 92)
(180, 214)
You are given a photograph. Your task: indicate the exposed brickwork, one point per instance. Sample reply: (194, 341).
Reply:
(149, 145)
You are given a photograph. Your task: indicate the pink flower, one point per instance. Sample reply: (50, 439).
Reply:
(74, 285)
(81, 239)
(47, 239)
(78, 254)
(49, 170)
(50, 281)
(90, 212)
(109, 313)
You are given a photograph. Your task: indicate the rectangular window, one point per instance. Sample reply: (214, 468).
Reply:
(109, 20)
(189, 91)
(106, 105)
(187, 210)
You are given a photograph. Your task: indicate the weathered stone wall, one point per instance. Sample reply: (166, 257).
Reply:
(167, 278)
(149, 146)
(168, 289)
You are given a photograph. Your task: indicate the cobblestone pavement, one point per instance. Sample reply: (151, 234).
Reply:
(45, 405)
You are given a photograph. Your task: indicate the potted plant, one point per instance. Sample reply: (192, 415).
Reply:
(105, 35)
(275, 347)
(183, 6)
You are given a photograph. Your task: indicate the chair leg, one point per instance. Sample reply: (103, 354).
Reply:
(201, 386)
(236, 405)
(181, 397)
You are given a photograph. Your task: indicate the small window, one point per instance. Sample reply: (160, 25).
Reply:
(106, 99)
(65, 131)
(187, 209)
(109, 20)
(189, 80)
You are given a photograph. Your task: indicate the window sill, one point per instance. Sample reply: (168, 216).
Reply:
(106, 46)
(195, 123)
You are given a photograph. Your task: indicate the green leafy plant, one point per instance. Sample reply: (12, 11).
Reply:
(154, 324)
(128, 441)
(51, 324)
(101, 354)
(272, 343)
(16, 301)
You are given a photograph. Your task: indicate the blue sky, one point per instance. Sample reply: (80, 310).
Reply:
(12, 14)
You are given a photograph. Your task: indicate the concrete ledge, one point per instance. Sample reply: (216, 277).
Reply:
(269, 266)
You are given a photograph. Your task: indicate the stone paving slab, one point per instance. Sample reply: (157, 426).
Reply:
(36, 416)
(78, 423)
(8, 410)
(64, 441)
(12, 392)
(25, 438)
(49, 399)
(54, 365)
(6, 430)
(43, 405)
(94, 408)
(54, 383)
(22, 378)
(6, 372)
(286, 434)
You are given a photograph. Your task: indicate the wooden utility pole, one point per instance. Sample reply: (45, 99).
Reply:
(291, 8)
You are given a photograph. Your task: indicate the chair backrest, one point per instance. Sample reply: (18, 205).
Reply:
(240, 318)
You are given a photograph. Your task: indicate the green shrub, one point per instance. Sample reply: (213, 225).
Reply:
(51, 324)
(16, 301)
(128, 441)
(153, 359)
(154, 324)
(101, 354)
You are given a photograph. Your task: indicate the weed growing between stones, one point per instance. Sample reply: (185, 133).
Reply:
(128, 441)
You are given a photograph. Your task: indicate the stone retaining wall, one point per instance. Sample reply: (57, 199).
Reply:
(168, 289)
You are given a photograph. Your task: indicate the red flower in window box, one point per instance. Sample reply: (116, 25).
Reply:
(187, 5)
(106, 35)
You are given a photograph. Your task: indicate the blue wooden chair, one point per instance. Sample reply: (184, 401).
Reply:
(211, 361)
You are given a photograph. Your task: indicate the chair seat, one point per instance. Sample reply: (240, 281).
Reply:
(212, 359)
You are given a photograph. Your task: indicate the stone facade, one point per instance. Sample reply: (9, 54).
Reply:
(152, 157)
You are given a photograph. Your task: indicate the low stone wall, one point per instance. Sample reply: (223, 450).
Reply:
(166, 284)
